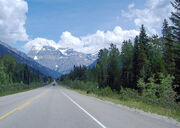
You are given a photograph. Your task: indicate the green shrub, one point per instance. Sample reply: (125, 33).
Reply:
(3, 76)
(159, 90)
(90, 87)
(17, 87)
(127, 93)
(107, 91)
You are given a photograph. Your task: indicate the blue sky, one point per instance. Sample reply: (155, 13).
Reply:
(48, 19)
(80, 22)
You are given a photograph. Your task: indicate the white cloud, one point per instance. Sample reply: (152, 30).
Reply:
(151, 16)
(38, 43)
(101, 39)
(131, 6)
(87, 44)
(69, 41)
(12, 20)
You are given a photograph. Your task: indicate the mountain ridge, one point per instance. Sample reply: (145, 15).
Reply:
(23, 58)
(61, 59)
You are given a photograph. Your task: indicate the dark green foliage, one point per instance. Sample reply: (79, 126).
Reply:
(16, 76)
(77, 84)
(135, 62)
(175, 18)
(90, 87)
(127, 64)
(114, 67)
(177, 69)
(142, 58)
(155, 56)
(91, 74)
(168, 48)
(3, 75)
(9, 62)
(78, 73)
(6, 89)
(159, 89)
(108, 68)
(102, 65)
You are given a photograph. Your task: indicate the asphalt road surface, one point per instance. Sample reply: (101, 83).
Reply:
(57, 107)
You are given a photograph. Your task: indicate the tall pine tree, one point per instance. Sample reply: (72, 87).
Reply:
(175, 18)
(168, 48)
(101, 67)
(155, 56)
(114, 67)
(127, 64)
(142, 58)
(135, 61)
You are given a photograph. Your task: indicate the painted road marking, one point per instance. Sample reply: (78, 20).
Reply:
(23, 105)
(84, 110)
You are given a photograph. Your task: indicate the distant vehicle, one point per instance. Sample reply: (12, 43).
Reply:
(54, 84)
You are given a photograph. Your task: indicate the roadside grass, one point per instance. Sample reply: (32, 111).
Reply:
(136, 104)
(16, 91)
(19, 90)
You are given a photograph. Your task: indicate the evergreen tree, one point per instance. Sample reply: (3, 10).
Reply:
(114, 67)
(9, 63)
(166, 29)
(101, 66)
(168, 48)
(26, 75)
(175, 18)
(135, 61)
(155, 56)
(3, 75)
(142, 60)
(127, 64)
(12, 72)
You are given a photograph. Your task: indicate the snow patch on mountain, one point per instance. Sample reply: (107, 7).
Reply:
(35, 58)
(60, 59)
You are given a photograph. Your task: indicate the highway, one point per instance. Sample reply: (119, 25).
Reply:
(57, 107)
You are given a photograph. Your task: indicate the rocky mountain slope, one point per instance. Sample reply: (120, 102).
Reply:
(60, 59)
(23, 58)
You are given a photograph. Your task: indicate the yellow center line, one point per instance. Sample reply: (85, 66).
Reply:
(23, 105)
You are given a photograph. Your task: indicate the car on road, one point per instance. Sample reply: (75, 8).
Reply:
(54, 84)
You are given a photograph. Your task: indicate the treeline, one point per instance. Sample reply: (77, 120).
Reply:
(16, 76)
(149, 64)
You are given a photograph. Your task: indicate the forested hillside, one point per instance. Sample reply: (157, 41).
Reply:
(147, 68)
(16, 76)
(23, 58)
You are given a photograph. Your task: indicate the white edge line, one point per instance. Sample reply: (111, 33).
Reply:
(84, 110)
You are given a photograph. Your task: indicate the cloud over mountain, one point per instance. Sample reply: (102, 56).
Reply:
(86, 44)
(38, 43)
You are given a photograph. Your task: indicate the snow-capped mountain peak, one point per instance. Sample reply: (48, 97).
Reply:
(60, 59)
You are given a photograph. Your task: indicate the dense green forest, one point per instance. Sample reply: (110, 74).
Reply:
(147, 68)
(16, 77)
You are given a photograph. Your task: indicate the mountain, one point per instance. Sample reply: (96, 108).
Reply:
(60, 59)
(93, 64)
(23, 58)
